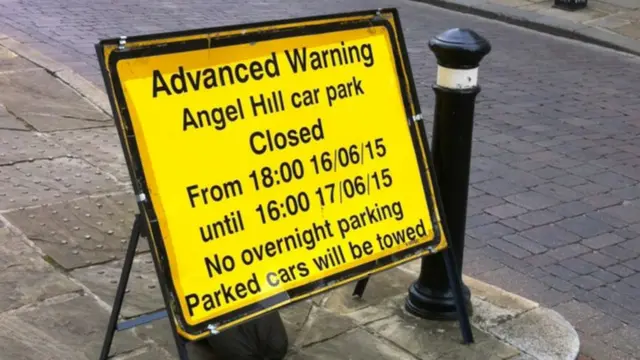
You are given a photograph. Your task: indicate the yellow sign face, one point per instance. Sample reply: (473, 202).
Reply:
(277, 166)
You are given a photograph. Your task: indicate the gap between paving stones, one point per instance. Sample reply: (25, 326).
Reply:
(79, 84)
(94, 196)
(28, 127)
(30, 160)
(56, 299)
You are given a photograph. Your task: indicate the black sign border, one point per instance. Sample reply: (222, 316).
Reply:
(297, 294)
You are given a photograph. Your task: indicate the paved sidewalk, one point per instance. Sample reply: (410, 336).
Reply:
(610, 23)
(65, 213)
(554, 211)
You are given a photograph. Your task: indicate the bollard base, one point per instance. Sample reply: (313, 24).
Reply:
(435, 305)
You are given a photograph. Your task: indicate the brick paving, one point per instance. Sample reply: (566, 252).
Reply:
(554, 213)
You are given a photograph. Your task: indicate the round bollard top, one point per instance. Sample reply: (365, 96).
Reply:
(459, 48)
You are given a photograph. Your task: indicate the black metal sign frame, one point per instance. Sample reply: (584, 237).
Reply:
(147, 223)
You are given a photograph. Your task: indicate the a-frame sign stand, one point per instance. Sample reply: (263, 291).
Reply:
(399, 126)
(137, 230)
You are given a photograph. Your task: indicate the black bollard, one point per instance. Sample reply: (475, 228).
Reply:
(458, 53)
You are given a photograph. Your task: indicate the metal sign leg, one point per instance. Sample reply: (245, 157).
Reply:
(122, 287)
(456, 286)
(112, 327)
(181, 344)
(361, 285)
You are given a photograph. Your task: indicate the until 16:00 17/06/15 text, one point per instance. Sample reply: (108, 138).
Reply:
(331, 193)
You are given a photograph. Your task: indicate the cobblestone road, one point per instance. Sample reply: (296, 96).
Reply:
(555, 207)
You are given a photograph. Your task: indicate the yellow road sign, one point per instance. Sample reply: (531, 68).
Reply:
(276, 163)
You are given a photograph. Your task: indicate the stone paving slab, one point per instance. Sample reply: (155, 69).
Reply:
(29, 53)
(378, 327)
(386, 331)
(10, 122)
(17, 341)
(71, 329)
(80, 232)
(52, 180)
(11, 62)
(25, 278)
(429, 340)
(98, 146)
(382, 312)
(363, 346)
(518, 333)
(148, 354)
(294, 318)
(322, 324)
(143, 291)
(159, 334)
(40, 100)
(21, 146)
(387, 283)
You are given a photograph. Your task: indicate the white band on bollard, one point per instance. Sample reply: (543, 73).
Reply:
(457, 78)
